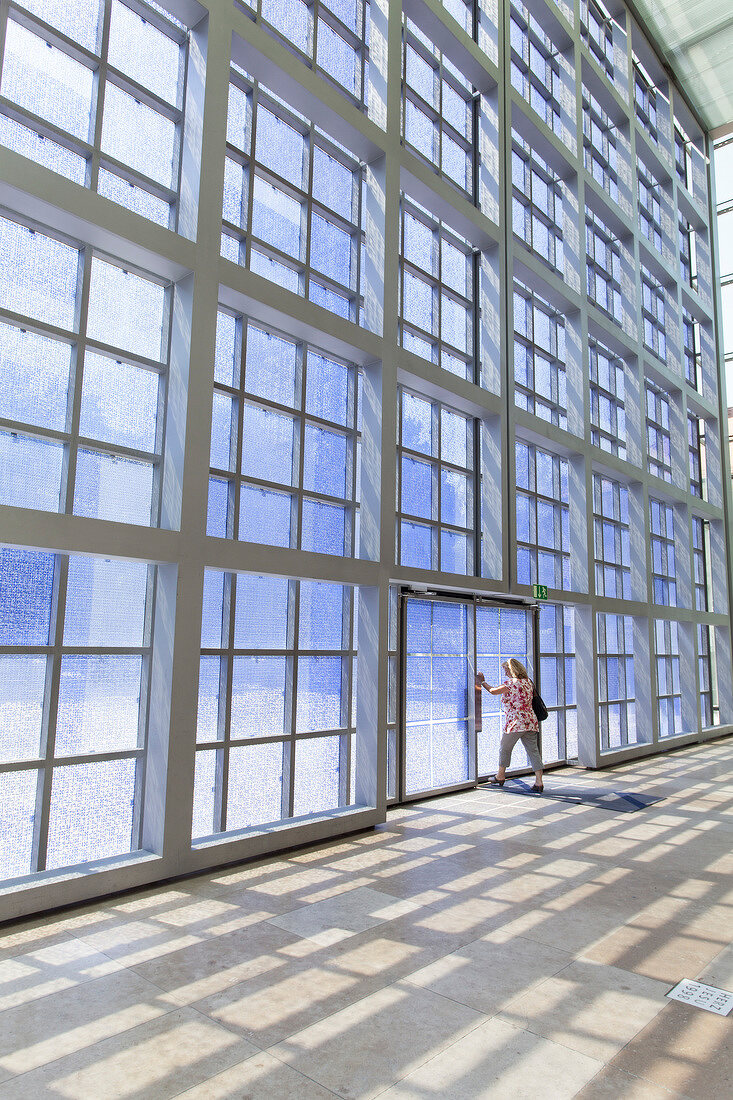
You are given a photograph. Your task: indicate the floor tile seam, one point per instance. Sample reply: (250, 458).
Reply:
(23, 954)
(272, 1054)
(672, 1093)
(502, 1016)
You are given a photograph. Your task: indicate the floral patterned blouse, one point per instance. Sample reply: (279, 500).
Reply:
(517, 705)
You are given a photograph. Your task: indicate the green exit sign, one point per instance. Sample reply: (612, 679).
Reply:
(539, 591)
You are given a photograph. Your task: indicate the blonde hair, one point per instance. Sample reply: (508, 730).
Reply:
(516, 669)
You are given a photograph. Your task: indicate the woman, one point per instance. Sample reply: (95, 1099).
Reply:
(520, 721)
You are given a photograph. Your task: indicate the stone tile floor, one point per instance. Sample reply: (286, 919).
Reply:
(476, 945)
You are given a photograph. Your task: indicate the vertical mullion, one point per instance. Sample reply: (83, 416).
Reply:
(251, 176)
(101, 75)
(222, 788)
(138, 807)
(290, 742)
(85, 262)
(238, 377)
(306, 222)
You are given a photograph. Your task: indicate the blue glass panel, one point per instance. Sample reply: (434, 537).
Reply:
(323, 624)
(279, 147)
(336, 57)
(91, 812)
(17, 810)
(545, 474)
(38, 275)
(30, 472)
(105, 602)
(213, 599)
(454, 438)
(330, 250)
(545, 524)
(77, 19)
(419, 625)
(271, 369)
(276, 218)
(238, 117)
(207, 720)
(291, 18)
(487, 630)
(119, 403)
(418, 694)
(418, 302)
(267, 445)
(324, 528)
(99, 705)
(513, 632)
(418, 772)
(264, 516)
(454, 267)
(455, 552)
(225, 355)
(261, 613)
(317, 775)
(138, 48)
(455, 163)
(26, 587)
(22, 689)
(133, 198)
(320, 702)
(418, 346)
(450, 754)
(323, 296)
(325, 461)
(135, 134)
(454, 498)
(524, 517)
(449, 687)
(454, 323)
(234, 208)
(416, 545)
(449, 628)
(218, 506)
(258, 697)
(46, 81)
(113, 488)
(272, 269)
(348, 11)
(524, 565)
(255, 785)
(420, 131)
(333, 183)
(230, 248)
(549, 680)
(222, 453)
(42, 150)
(548, 628)
(419, 243)
(327, 389)
(416, 496)
(126, 310)
(204, 786)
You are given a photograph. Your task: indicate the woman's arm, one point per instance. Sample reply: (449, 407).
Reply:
(480, 679)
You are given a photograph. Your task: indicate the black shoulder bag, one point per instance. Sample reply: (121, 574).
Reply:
(538, 705)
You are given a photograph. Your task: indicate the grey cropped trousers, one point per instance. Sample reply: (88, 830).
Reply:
(529, 739)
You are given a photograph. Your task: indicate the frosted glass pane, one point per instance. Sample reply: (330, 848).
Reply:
(324, 528)
(417, 419)
(133, 198)
(42, 150)
(323, 624)
(139, 49)
(113, 488)
(135, 134)
(47, 81)
(267, 445)
(317, 775)
(454, 323)
(234, 208)
(336, 57)
(325, 461)
(348, 11)
(419, 625)
(77, 19)
(454, 438)
(333, 183)
(223, 431)
(26, 588)
(319, 702)
(238, 117)
(34, 378)
(330, 250)
(275, 271)
(276, 218)
(327, 389)
(255, 785)
(207, 721)
(99, 705)
(450, 754)
(105, 602)
(203, 793)
(418, 302)
(291, 18)
(279, 147)
(91, 812)
(126, 311)
(323, 296)
(119, 403)
(225, 355)
(213, 599)
(30, 472)
(271, 369)
(17, 810)
(264, 516)
(217, 510)
(258, 697)
(454, 498)
(416, 496)
(261, 613)
(38, 275)
(416, 545)
(22, 688)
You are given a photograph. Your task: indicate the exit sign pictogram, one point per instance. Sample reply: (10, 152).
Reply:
(539, 591)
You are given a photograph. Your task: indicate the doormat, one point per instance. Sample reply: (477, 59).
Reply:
(698, 995)
(621, 802)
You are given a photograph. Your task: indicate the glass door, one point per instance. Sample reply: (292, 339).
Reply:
(439, 740)
(501, 632)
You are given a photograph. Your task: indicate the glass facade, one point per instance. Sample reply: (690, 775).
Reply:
(285, 330)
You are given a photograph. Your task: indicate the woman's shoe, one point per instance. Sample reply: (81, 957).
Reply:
(538, 788)
(495, 781)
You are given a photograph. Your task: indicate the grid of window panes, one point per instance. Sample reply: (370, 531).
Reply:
(535, 69)
(284, 445)
(600, 144)
(61, 61)
(539, 357)
(616, 686)
(696, 452)
(603, 265)
(275, 701)
(537, 210)
(691, 348)
(437, 109)
(607, 400)
(436, 316)
(645, 100)
(557, 679)
(669, 688)
(612, 538)
(543, 524)
(650, 205)
(292, 201)
(74, 685)
(664, 583)
(709, 709)
(83, 363)
(435, 524)
(658, 438)
(700, 563)
(331, 35)
(654, 314)
(688, 252)
(597, 32)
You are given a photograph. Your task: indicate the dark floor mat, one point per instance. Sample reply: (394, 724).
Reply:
(622, 802)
